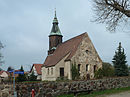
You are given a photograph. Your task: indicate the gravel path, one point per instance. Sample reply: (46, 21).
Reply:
(123, 94)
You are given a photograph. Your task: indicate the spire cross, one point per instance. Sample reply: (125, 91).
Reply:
(55, 12)
(55, 18)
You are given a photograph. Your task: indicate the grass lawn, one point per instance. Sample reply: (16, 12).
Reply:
(99, 93)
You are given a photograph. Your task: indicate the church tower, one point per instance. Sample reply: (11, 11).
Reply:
(55, 37)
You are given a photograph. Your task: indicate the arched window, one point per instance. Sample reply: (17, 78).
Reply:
(52, 70)
(58, 40)
(79, 67)
(86, 67)
(94, 68)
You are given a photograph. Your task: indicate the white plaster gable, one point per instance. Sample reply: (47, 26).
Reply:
(4, 74)
(34, 70)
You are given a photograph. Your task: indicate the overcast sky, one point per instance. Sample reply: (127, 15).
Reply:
(26, 24)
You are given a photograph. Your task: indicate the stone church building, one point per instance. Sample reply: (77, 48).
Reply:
(61, 55)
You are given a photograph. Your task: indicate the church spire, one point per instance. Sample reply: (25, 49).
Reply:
(55, 28)
(55, 13)
(55, 37)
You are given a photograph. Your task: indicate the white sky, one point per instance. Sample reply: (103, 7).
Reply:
(26, 24)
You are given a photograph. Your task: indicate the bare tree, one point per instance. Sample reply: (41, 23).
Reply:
(112, 12)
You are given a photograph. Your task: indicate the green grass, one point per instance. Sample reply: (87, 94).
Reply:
(99, 93)
(67, 95)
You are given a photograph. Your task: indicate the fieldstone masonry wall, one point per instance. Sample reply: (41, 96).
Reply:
(6, 90)
(52, 89)
(86, 54)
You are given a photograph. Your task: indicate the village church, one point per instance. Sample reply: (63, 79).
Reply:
(61, 55)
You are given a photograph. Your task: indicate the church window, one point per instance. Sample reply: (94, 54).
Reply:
(61, 72)
(79, 67)
(86, 67)
(48, 71)
(58, 41)
(52, 71)
(94, 68)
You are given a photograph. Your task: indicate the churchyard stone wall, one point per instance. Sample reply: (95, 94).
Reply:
(52, 89)
(6, 89)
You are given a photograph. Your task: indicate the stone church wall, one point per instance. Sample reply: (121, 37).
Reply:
(52, 89)
(86, 54)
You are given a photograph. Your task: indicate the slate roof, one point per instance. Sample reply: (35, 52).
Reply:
(68, 47)
(38, 68)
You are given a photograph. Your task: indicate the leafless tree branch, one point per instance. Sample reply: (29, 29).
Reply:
(112, 12)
